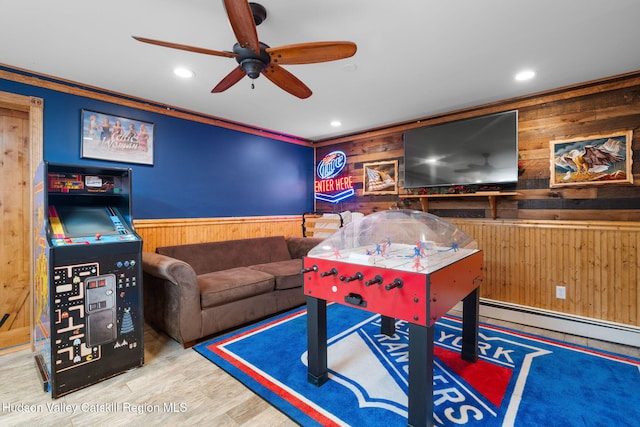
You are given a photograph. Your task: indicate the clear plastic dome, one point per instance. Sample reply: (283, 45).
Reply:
(402, 239)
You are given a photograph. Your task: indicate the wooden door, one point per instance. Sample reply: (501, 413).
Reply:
(16, 237)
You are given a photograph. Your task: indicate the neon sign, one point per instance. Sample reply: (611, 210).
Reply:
(330, 187)
(331, 165)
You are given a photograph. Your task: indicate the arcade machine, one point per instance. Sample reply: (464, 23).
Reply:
(88, 319)
(402, 264)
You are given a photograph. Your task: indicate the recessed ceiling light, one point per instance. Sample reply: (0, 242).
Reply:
(183, 72)
(350, 67)
(336, 123)
(525, 75)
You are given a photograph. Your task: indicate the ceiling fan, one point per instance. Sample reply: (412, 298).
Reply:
(255, 58)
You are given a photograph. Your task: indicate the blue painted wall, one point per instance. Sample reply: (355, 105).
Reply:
(199, 170)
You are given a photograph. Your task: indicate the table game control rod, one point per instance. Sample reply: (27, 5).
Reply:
(397, 283)
(332, 272)
(376, 280)
(309, 269)
(357, 276)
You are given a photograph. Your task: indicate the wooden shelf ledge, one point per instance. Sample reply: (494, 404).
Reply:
(491, 195)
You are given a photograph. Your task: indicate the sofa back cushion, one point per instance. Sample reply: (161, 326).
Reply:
(218, 256)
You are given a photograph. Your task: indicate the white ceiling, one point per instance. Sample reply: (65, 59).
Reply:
(415, 58)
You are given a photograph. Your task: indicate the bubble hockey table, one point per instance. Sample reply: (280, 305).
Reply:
(397, 286)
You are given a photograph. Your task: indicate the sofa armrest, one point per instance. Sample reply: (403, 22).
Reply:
(300, 246)
(172, 296)
(168, 268)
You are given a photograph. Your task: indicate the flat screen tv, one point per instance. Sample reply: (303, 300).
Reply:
(479, 152)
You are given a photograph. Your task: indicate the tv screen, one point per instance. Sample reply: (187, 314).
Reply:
(479, 151)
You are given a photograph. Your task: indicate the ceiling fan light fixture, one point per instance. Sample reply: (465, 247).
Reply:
(253, 67)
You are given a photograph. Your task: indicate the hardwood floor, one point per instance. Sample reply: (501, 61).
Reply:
(175, 387)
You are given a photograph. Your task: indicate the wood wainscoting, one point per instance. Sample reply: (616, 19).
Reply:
(168, 232)
(598, 263)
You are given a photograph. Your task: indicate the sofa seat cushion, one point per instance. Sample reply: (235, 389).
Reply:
(223, 287)
(287, 273)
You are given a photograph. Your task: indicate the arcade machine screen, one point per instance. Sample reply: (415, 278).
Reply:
(81, 221)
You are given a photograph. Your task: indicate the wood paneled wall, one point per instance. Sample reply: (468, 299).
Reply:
(167, 232)
(589, 109)
(598, 262)
(584, 238)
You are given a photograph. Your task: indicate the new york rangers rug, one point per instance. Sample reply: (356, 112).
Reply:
(519, 379)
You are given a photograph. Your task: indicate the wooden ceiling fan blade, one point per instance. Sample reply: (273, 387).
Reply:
(310, 53)
(185, 47)
(287, 81)
(230, 79)
(242, 23)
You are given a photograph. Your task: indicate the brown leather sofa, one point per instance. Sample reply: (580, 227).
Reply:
(196, 290)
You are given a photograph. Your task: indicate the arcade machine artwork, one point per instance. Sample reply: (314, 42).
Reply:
(88, 299)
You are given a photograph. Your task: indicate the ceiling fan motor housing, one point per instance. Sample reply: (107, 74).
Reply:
(259, 13)
(251, 62)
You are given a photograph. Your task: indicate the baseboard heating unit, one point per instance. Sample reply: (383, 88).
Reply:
(559, 322)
